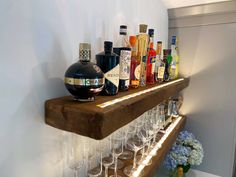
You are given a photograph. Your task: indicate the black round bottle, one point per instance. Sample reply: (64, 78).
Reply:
(109, 64)
(84, 79)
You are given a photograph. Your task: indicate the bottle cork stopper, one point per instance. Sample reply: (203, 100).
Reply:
(142, 28)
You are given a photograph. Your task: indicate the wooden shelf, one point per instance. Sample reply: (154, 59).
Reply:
(88, 119)
(149, 171)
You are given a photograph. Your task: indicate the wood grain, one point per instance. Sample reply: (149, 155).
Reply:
(89, 120)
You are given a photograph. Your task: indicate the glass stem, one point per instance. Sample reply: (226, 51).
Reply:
(115, 169)
(135, 160)
(106, 171)
(75, 173)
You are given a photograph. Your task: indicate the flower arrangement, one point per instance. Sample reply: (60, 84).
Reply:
(186, 151)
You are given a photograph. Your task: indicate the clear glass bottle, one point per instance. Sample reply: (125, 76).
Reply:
(109, 64)
(122, 48)
(151, 60)
(143, 39)
(174, 72)
(135, 64)
(160, 65)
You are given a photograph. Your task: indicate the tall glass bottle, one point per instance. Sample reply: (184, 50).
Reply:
(124, 51)
(151, 61)
(160, 65)
(135, 64)
(143, 39)
(175, 58)
(167, 60)
(109, 64)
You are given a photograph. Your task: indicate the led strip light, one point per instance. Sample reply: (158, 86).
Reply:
(112, 102)
(158, 145)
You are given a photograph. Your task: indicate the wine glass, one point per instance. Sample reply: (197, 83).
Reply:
(94, 166)
(74, 158)
(127, 154)
(135, 144)
(117, 146)
(108, 157)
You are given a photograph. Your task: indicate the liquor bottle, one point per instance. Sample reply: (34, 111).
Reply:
(124, 51)
(135, 64)
(109, 64)
(151, 60)
(175, 58)
(160, 65)
(167, 60)
(143, 39)
(84, 79)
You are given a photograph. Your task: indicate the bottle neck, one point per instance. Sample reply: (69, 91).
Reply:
(151, 45)
(108, 50)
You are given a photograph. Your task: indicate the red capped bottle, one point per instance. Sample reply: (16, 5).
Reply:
(151, 61)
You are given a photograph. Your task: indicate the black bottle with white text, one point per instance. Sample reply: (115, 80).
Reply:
(109, 64)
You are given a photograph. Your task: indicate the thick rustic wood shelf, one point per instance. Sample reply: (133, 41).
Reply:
(149, 171)
(88, 119)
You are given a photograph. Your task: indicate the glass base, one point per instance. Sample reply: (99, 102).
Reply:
(128, 171)
(95, 172)
(126, 155)
(84, 100)
(120, 165)
(115, 176)
(140, 161)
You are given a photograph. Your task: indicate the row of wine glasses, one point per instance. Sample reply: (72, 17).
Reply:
(135, 141)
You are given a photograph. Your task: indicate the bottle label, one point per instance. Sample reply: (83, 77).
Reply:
(113, 75)
(161, 71)
(153, 68)
(137, 72)
(125, 61)
(157, 65)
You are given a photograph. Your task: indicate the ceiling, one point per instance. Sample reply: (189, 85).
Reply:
(183, 3)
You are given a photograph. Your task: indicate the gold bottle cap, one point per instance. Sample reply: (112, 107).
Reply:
(143, 28)
(85, 51)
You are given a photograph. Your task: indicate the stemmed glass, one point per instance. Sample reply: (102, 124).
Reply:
(74, 158)
(135, 144)
(127, 154)
(117, 148)
(108, 157)
(162, 115)
(94, 161)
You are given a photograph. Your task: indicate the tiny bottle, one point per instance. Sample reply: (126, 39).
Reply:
(143, 39)
(135, 64)
(124, 51)
(109, 64)
(151, 60)
(160, 65)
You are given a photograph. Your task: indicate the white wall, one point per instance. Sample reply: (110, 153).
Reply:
(38, 41)
(207, 52)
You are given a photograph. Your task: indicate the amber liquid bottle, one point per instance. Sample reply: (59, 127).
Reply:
(143, 39)
(135, 64)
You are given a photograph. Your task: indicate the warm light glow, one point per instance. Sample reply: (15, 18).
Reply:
(112, 102)
(156, 147)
